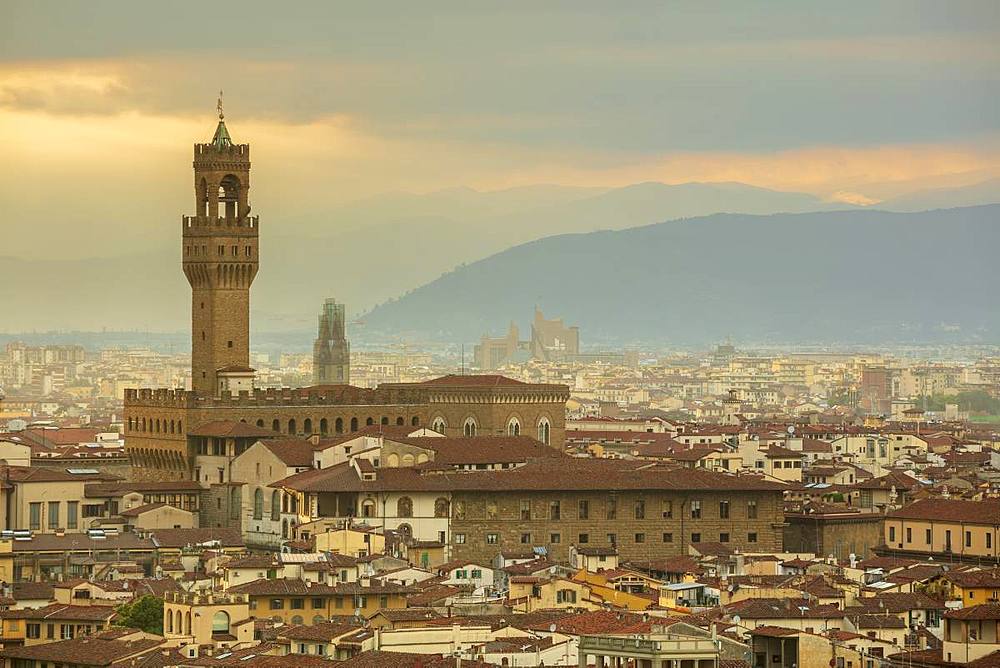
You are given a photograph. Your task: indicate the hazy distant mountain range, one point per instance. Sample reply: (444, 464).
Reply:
(377, 249)
(858, 276)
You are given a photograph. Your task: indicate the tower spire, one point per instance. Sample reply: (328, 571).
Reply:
(221, 139)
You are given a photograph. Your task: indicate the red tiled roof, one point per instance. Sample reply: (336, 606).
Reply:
(227, 536)
(266, 587)
(40, 474)
(88, 651)
(955, 510)
(598, 622)
(482, 449)
(982, 612)
(783, 608)
(453, 380)
(62, 436)
(538, 474)
(774, 631)
(985, 578)
(294, 452)
(897, 479)
(324, 631)
(386, 659)
(63, 611)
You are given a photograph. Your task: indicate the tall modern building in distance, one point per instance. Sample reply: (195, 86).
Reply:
(551, 340)
(331, 351)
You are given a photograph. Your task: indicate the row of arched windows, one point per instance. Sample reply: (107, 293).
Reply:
(258, 505)
(156, 426)
(470, 427)
(291, 426)
(180, 623)
(404, 507)
(393, 460)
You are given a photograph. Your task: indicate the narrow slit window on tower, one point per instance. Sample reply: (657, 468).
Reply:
(229, 344)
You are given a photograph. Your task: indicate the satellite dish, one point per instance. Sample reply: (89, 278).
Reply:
(737, 619)
(791, 430)
(552, 628)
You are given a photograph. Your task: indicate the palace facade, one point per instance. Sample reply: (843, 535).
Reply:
(220, 260)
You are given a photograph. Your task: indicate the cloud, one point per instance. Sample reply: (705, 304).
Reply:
(847, 197)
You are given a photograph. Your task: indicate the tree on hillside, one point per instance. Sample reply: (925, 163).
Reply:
(145, 613)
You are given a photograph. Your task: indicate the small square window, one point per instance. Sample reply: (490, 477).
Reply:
(555, 538)
(723, 537)
(668, 537)
(696, 538)
(584, 538)
(751, 537)
(492, 538)
(640, 538)
(525, 538)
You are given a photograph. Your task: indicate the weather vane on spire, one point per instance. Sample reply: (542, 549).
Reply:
(219, 106)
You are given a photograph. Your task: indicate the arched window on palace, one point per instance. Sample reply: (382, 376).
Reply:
(514, 427)
(441, 507)
(544, 429)
(470, 427)
(367, 508)
(234, 503)
(220, 622)
(275, 505)
(438, 425)
(258, 505)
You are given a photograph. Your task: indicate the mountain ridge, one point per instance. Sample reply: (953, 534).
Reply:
(761, 277)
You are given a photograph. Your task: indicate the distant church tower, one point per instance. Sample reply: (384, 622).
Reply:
(220, 262)
(331, 351)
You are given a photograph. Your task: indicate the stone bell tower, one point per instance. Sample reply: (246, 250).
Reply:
(220, 261)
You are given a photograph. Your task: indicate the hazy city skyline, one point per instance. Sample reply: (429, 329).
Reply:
(579, 334)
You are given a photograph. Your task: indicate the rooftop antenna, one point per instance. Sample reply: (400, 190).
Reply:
(219, 106)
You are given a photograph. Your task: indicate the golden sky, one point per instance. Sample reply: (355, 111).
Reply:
(99, 105)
